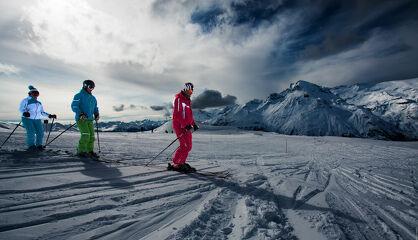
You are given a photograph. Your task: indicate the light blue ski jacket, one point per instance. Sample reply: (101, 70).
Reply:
(86, 103)
(32, 106)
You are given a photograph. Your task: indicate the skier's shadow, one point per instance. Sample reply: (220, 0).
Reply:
(282, 202)
(24, 157)
(100, 170)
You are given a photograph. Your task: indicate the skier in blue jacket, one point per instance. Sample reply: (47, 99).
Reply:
(32, 110)
(85, 107)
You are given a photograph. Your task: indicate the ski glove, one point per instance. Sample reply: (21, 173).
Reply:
(82, 116)
(52, 116)
(96, 117)
(26, 114)
(195, 127)
(188, 127)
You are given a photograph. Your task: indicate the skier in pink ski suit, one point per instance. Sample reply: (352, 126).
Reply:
(182, 123)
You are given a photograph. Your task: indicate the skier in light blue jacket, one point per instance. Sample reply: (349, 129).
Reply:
(32, 110)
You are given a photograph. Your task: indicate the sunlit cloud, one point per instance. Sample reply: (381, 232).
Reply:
(76, 33)
(8, 69)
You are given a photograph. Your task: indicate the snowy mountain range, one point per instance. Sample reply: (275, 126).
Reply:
(387, 110)
(134, 126)
(112, 126)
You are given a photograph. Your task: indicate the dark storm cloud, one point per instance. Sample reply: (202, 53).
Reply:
(251, 13)
(158, 108)
(165, 108)
(331, 44)
(255, 12)
(208, 19)
(212, 98)
(325, 27)
(336, 26)
(328, 28)
(119, 108)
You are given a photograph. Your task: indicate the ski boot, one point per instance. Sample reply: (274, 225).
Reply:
(94, 155)
(178, 168)
(83, 154)
(174, 167)
(170, 167)
(189, 168)
(32, 149)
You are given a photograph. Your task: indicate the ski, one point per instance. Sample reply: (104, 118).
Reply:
(206, 174)
(201, 172)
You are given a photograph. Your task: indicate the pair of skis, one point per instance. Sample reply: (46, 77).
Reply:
(201, 172)
(221, 174)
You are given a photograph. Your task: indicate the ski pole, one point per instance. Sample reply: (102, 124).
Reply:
(11, 134)
(98, 139)
(52, 124)
(171, 155)
(61, 134)
(166, 148)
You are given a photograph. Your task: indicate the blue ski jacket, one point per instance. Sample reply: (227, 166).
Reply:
(86, 103)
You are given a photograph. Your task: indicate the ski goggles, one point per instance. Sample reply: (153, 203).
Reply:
(189, 90)
(35, 93)
(90, 87)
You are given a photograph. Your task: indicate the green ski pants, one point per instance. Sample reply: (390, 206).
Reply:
(86, 143)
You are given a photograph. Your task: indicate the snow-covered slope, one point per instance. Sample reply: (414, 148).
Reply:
(309, 109)
(204, 115)
(5, 126)
(165, 128)
(395, 102)
(280, 187)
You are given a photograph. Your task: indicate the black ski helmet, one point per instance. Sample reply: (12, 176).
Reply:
(88, 84)
(188, 86)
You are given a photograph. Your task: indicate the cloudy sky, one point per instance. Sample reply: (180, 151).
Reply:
(140, 52)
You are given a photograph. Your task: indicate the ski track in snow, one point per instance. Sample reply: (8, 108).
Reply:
(320, 188)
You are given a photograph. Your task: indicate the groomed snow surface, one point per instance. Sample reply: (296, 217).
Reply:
(281, 187)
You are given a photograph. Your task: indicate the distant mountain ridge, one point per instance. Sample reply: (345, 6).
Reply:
(112, 126)
(387, 110)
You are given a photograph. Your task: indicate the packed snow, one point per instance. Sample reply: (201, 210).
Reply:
(280, 187)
